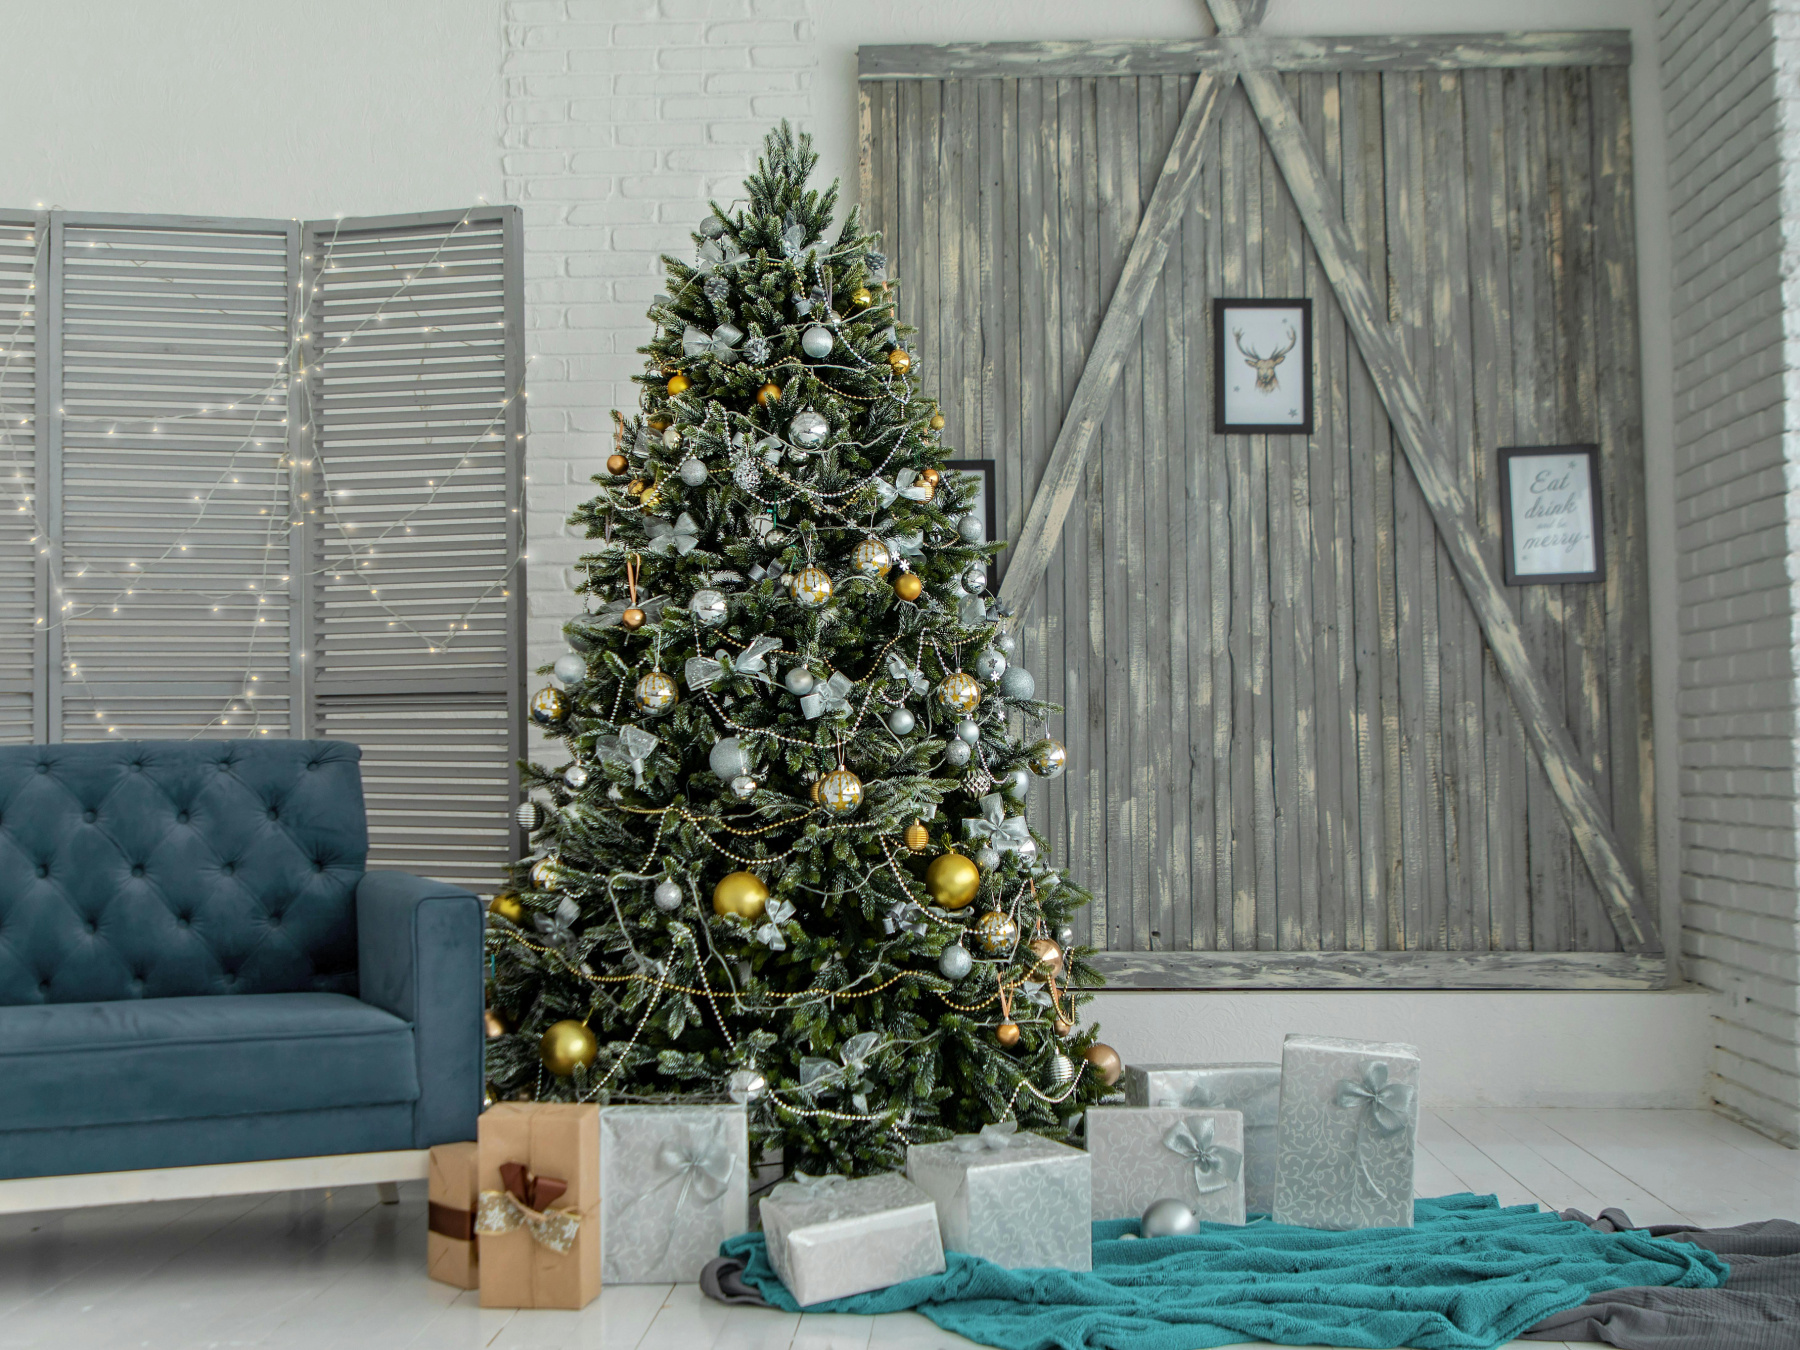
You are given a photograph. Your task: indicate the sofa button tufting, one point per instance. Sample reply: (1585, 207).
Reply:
(181, 817)
(318, 867)
(93, 925)
(43, 768)
(43, 869)
(90, 816)
(229, 869)
(137, 869)
(274, 814)
(181, 921)
(224, 766)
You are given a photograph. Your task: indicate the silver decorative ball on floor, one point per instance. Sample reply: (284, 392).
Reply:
(816, 342)
(708, 606)
(901, 722)
(989, 664)
(809, 429)
(727, 758)
(971, 527)
(692, 471)
(799, 681)
(1005, 643)
(968, 731)
(569, 668)
(1169, 1218)
(576, 776)
(956, 752)
(667, 896)
(711, 227)
(745, 1086)
(954, 961)
(1018, 683)
(743, 787)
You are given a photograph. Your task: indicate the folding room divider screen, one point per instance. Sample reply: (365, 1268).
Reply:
(262, 478)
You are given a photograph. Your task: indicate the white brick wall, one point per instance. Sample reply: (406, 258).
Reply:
(1731, 97)
(623, 117)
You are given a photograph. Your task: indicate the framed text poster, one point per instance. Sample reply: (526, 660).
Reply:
(1550, 514)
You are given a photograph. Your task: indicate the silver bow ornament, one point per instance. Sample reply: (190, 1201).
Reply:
(1215, 1166)
(831, 697)
(557, 928)
(1383, 1108)
(854, 1055)
(631, 747)
(682, 536)
(907, 483)
(703, 672)
(971, 611)
(899, 543)
(719, 346)
(1007, 834)
(912, 675)
(794, 245)
(992, 1139)
(770, 934)
(905, 917)
(816, 298)
(717, 253)
(652, 605)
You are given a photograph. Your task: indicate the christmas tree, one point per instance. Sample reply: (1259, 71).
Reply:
(787, 859)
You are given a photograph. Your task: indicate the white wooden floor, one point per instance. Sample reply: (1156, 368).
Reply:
(311, 1269)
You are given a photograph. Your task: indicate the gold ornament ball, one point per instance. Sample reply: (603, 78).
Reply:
(1048, 959)
(655, 693)
(908, 586)
(860, 297)
(1106, 1062)
(996, 933)
(568, 1046)
(1007, 1033)
(742, 894)
(633, 619)
(937, 421)
(491, 1023)
(817, 788)
(768, 394)
(952, 880)
(840, 792)
(900, 361)
(1063, 1026)
(548, 705)
(932, 476)
(679, 384)
(507, 906)
(812, 586)
(871, 558)
(917, 836)
(616, 464)
(959, 692)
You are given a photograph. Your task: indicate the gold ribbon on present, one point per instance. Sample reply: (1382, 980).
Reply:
(525, 1204)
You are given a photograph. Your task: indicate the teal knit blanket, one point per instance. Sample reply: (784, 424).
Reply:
(1468, 1275)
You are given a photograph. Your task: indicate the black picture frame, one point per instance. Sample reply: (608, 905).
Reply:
(1224, 348)
(986, 468)
(1510, 531)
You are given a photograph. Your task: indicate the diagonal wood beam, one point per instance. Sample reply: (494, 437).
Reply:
(1429, 456)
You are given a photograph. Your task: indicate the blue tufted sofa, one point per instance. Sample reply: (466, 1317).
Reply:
(195, 967)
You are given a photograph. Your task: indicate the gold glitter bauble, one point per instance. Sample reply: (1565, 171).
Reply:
(900, 360)
(616, 464)
(1049, 959)
(812, 586)
(960, 692)
(768, 393)
(1007, 1033)
(952, 880)
(678, 384)
(568, 1046)
(860, 297)
(996, 933)
(1106, 1062)
(908, 586)
(871, 558)
(937, 421)
(507, 906)
(633, 619)
(742, 894)
(655, 693)
(840, 792)
(917, 836)
(492, 1024)
(549, 705)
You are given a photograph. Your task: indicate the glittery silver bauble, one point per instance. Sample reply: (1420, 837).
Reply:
(728, 759)
(975, 579)
(1065, 936)
(901, 722)
(799, 681)
(1016, 784)
(809, 429)
(1004, 643)
(529, 815)
(671, 437)
(667, 895)
(971, 527)
(968, 731)
(711, 227)
(987, 859)
(954, 961)
(569, 668)
(745, 1086)
(1049, 759)
(576, 776)
(989, 664)
(1017, 682)
(1169, 1218)
(956, 752)
(745, 473)
(1062, 1071)
(743, 787)
(708, 606)
(548, 706)
(816, 342)
(692, 471)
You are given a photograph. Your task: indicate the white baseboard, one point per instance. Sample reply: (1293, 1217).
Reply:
(22, 1195)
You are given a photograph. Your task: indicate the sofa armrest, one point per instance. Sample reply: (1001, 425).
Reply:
(419, 956)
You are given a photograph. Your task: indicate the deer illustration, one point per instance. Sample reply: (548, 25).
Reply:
(1264, 366)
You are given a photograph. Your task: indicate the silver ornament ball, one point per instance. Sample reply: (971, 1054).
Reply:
(708, 606)
(727, 758)
(1017, 784)
(692, 471)
(1018, 682)
(989, 664)
(1062, 1071)
(576, 776)
(816, 342)
(901, 722)
(529, 815)
(667, 896)
(1065, 936)
(1005, 643)
(954, 961)
(975, 579)
(971, 527)
(956, 752)
(745, 1086)
(799, 681)
(1169, 1217)
(671, 437)
(987, 859)
(809, 429)
(711, 227)
(968, 731)
(743, 787)
(569, 668)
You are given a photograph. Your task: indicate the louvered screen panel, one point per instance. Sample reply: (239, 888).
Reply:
(21, 247)
(417, 617)
(173, 445)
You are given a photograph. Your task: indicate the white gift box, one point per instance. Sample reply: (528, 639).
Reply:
(674, 1184)
(1147, 1153)
(1018, 1200)
(1252, 1089)
(1349, 1125)
(830, 1237)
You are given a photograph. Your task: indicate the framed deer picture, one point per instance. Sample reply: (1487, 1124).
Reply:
(1262, 367)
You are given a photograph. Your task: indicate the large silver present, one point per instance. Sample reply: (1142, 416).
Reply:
(1143, 1154)
(1018, 1200)
(1252, 1089)
(830, 1237)
(1349, 1124)
(674, 1184)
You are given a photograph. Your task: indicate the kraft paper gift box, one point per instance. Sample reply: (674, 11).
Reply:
(1349, 1125)
(674, 1184)
(829, 1237)
(538, 1210)
(450, 1247)
(1253, 1089)
(1016, 1199)
(1147, 1153)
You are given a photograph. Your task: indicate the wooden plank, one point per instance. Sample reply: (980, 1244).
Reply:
(1124, 316)
(1177, 831)
(1224, 55)
(1381, 970)
(1256, 565)
(1220, 518)
(1430, 461)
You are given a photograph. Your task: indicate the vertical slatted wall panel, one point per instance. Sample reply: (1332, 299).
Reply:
(171, 611)
(1284, 731)
(417, 617)
(23, 253)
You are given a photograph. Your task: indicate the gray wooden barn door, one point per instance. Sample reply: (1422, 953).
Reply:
(1285, 734)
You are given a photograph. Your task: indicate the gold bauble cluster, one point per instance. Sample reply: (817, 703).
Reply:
(508, 906)
(678, 384)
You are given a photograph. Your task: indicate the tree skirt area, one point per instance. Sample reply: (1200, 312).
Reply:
(1468, 1275)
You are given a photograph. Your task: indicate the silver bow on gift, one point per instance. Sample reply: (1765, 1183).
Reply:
(770, 934)
(1215, 1166)
(631, 747)
(1382, 1107)
(703, 672)
(702, 1161)
(831, 697)
(719, 346)
(1007, 834)
(992, 1139)
(682, 536)
(827, 1190)
(717, 253)
(914, 677)
(907, 483)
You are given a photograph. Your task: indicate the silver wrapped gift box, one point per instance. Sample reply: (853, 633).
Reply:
(1254, 1090)
(674, 1184)
(1349, 1125)
(1016, 1199)
(830, 1237)
(1143, 1154)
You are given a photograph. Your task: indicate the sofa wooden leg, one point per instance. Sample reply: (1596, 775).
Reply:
(389, 1191)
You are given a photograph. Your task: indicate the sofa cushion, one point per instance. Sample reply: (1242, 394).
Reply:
(156, 869)
(133, 1060)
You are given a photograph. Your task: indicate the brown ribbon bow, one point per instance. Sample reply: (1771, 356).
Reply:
(530, 1191)
(525, 1204)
